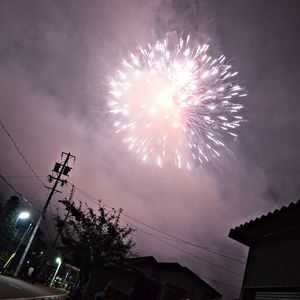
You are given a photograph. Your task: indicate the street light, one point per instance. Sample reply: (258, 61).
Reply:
(58, 261)
(24, 215)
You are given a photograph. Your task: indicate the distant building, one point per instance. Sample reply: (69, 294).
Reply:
(146, 278)
(273, 265)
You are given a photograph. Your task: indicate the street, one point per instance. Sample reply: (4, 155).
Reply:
(16, 288)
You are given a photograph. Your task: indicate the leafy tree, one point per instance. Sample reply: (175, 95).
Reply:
(8, 220)
(92, 240)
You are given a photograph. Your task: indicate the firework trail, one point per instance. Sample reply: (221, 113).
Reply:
(173, 102)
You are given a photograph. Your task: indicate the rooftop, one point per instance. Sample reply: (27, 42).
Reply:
(172, 266)
(280, 220)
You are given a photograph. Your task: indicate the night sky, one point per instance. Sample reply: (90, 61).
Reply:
(55, 61)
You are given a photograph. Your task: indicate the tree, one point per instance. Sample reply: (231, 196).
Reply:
(91, 240)
(8, 220)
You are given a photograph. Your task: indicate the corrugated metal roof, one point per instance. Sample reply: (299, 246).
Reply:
(245, 232)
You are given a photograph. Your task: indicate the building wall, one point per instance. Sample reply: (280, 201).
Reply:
(185, 282)
(159, 285)
(274, 261)
(193, 287)
(102, 277)
(123, 282)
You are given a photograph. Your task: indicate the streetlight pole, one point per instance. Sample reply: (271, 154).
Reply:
(58, 261)
(22, 216)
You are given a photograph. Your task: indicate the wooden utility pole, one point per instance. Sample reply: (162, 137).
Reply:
(60, 170)
(64, 221)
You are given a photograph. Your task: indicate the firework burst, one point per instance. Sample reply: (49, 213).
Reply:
(174, 102)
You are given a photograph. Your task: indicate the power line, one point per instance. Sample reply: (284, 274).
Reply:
(164, 241)
(11, 186)
(186, 252)
(182, 250)
(184, 241)
(201, 259)
(213, 251)
(197, 257)
(22, 176)
(20, 152)
(16, 191)
(191, 254)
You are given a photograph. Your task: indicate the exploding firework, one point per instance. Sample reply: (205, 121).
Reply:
(174, 102)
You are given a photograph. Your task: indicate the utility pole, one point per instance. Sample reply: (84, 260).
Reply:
(60, 170)
(64, 221)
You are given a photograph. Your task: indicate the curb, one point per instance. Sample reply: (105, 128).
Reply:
(39, 297)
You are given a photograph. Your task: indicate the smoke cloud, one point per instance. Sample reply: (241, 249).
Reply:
(55, 60)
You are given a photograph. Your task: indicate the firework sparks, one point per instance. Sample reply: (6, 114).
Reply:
(174, 102)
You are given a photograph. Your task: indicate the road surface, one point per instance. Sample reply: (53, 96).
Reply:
(16, 288)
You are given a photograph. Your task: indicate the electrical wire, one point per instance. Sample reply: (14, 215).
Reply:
(20, 153)
(217, 282)
(217, 252)
(172, 245)
(23, 176)
(213, 251)
(186, 252)
(17, 192)
(11, 186)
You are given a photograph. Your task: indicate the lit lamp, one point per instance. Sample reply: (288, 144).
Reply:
(24, 215)
(58, 261)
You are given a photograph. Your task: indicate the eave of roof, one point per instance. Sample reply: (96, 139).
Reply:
(280, 219)
(143, 259)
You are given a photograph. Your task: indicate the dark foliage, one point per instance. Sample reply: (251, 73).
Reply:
(92, 240)
(8, 220)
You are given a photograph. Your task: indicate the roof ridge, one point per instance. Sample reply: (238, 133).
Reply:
(276, 211)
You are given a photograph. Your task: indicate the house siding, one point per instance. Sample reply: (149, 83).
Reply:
(275, 261)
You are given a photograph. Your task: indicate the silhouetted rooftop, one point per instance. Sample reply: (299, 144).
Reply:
(171, 266)
(280, 220)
